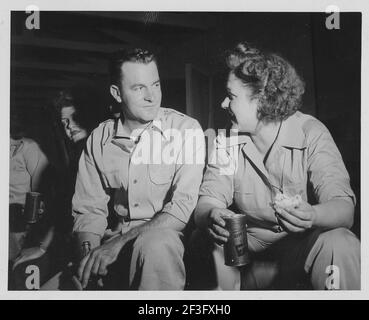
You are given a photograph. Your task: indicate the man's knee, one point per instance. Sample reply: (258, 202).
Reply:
(156, 243)
(340, 241)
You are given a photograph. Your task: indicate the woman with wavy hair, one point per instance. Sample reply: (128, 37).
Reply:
(286, 175)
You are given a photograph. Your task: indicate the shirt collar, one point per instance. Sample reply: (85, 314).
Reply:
(158, 124)
(15, 142)
(231, 140)
(291, 134)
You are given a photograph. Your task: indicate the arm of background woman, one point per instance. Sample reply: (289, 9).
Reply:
(36, 162)
(47, 239)
(35, 252)
(36, 177)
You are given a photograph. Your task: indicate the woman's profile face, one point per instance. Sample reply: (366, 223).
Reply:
(241, 107)
(72, 129)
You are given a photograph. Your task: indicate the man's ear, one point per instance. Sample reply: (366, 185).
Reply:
(115, 92)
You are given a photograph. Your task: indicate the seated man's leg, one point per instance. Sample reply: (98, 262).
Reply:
(157, 261)
(334, 261)
(200, 274)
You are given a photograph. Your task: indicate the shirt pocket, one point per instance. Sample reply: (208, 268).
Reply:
(18, 174)
(245, 197)
(161, 177)
(243, 187)
(161, 174)
(293, 188)
(294, 166)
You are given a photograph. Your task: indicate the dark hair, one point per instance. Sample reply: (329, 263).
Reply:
(273, 81)
(132, 55)
(85, 101)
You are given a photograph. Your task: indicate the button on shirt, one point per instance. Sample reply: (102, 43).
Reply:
(147, 172)
(304, 153)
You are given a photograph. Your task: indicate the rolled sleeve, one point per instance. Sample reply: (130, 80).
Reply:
(187, 178)
(89, 204)
(326, 168)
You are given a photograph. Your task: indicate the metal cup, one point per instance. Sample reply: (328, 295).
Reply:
(236, 251)
(32, 207)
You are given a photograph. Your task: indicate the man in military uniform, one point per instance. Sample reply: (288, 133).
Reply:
(150, 160)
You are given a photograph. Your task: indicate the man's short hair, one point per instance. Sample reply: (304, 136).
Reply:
(128, 55)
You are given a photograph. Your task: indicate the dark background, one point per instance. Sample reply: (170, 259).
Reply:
(72, 48)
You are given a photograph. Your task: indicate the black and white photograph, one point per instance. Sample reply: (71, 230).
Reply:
(184, 151)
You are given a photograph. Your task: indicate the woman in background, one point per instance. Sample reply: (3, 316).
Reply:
(76, 114)
(79, 110)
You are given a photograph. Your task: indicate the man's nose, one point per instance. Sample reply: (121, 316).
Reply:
(149, 94)
(225, 103)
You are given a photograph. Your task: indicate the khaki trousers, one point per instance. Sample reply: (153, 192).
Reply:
(318, 259)
(152, 261)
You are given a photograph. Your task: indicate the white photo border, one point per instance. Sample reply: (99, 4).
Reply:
(190, 5)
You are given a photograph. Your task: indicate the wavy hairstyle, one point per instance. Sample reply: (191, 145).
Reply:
(273, 81)
(85, 101)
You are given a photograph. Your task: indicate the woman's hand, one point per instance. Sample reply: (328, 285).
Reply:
(28, 254)
(297, 219)
(216, 225)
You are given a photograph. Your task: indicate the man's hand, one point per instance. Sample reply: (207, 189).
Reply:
(297, 219)
(216, 225)
(99, 259)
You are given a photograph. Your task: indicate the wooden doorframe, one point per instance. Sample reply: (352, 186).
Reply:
(190, 110)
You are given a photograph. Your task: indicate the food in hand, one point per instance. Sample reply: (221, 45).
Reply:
(283, 201)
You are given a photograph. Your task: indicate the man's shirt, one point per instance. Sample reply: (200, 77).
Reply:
(304, 158)
(26, 158)
(146, 171)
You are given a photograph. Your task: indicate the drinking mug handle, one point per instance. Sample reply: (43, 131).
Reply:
(41, 210)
